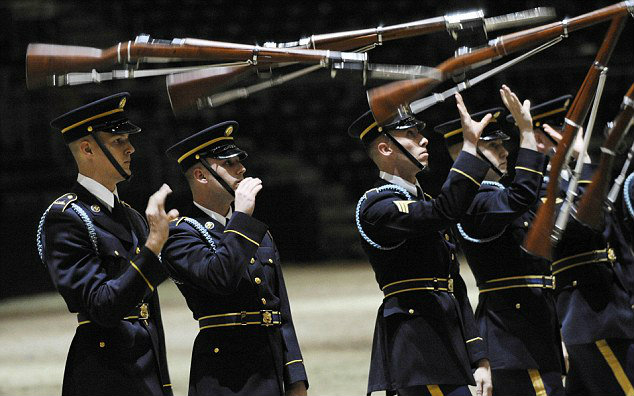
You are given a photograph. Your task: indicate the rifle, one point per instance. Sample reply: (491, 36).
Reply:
(539, 240)
(51, 64)
(387, 100)
(589, 208)
(200, 88)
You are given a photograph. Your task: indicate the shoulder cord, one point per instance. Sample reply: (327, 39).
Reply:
(626, 195)
(92, 234)
(199, 227)
(357, 216)
(464, 234)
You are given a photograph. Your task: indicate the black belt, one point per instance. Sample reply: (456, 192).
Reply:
(406, 285)
(139, 312)
(243, 318)
(511, 282)
(595, 256)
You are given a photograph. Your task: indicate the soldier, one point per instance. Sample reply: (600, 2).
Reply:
(425, 340)
(516, 311)
(104, 261)
(227, 266)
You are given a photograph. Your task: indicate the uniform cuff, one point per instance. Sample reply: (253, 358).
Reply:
(149, 268)
(471, 167)
(587, 171)
(477, 350)
(246, 227)
(294, 371)
(530, 161)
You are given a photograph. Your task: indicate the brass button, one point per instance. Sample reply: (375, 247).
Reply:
(257, 280)
(632, 306)
(102, 344)
(271, 261)
(517, 306)
(446, 237)
(252, 260)
(216, 350)
(116, 253)
(95, 208)
(411, 311)
(526, 224)
(574, 283)
(264, 301)
(138, 250)
(452, 257)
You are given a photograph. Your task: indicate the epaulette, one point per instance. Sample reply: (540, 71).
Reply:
(126, 204)
(179, 220)
(398, 190)
(64, 201)
(200, 228)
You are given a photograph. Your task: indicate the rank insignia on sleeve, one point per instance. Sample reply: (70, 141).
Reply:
(403, 206)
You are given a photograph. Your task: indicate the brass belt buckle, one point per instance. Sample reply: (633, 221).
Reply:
(267, 318)
(450, 285)
(143, 311)
(243, 318)
(554, 284)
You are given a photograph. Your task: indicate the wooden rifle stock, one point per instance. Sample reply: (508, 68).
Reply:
(538, 240)
(590, 208)
(44, 61)
(387, 99)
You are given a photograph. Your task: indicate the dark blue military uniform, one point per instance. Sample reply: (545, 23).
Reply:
(516, 311)
(106, 276)
(99, 264)
(425, 332)
(232, 281)
(595, 306)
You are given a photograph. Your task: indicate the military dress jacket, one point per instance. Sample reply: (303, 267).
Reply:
(222, 272)
(423, 335)
(594, 300)
(519, 323)
(108, 277)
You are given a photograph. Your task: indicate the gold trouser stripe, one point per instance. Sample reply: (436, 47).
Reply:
(83, 323)
(244, 236)
(413, 280)
(578, 255)
(529, 170)
(474, 339)
(293, 361)
(366, 130)
(68, 128)
(142, 276)
(538, 384)
(465, 175)
(434, 390)
(616, 367)
(202, 146)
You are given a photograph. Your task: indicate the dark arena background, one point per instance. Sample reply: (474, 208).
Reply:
(295, 134)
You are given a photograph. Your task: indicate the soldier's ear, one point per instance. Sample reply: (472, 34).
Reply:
(383, 148)
(85, 147)
(199, 175)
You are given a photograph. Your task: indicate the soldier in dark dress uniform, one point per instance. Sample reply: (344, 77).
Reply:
(516, 311)
(425, 341)
(227, 266)
(103, 260)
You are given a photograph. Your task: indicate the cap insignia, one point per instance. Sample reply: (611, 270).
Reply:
(209, 225)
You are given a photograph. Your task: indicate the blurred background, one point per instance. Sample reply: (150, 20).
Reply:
(296, 134)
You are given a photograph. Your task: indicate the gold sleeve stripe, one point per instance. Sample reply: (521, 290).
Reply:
(474, 339)
(167, 386)
(529, 170)
(83, 323)
(243, 236)
(294, 361)
(403, 206)
(465, 175)
(434, 390)
(584, 182)
(142, 276)
(616, 367)
(538, 384)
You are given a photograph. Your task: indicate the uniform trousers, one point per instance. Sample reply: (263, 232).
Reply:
(526, 383)
(605, 367)
(435, 390)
